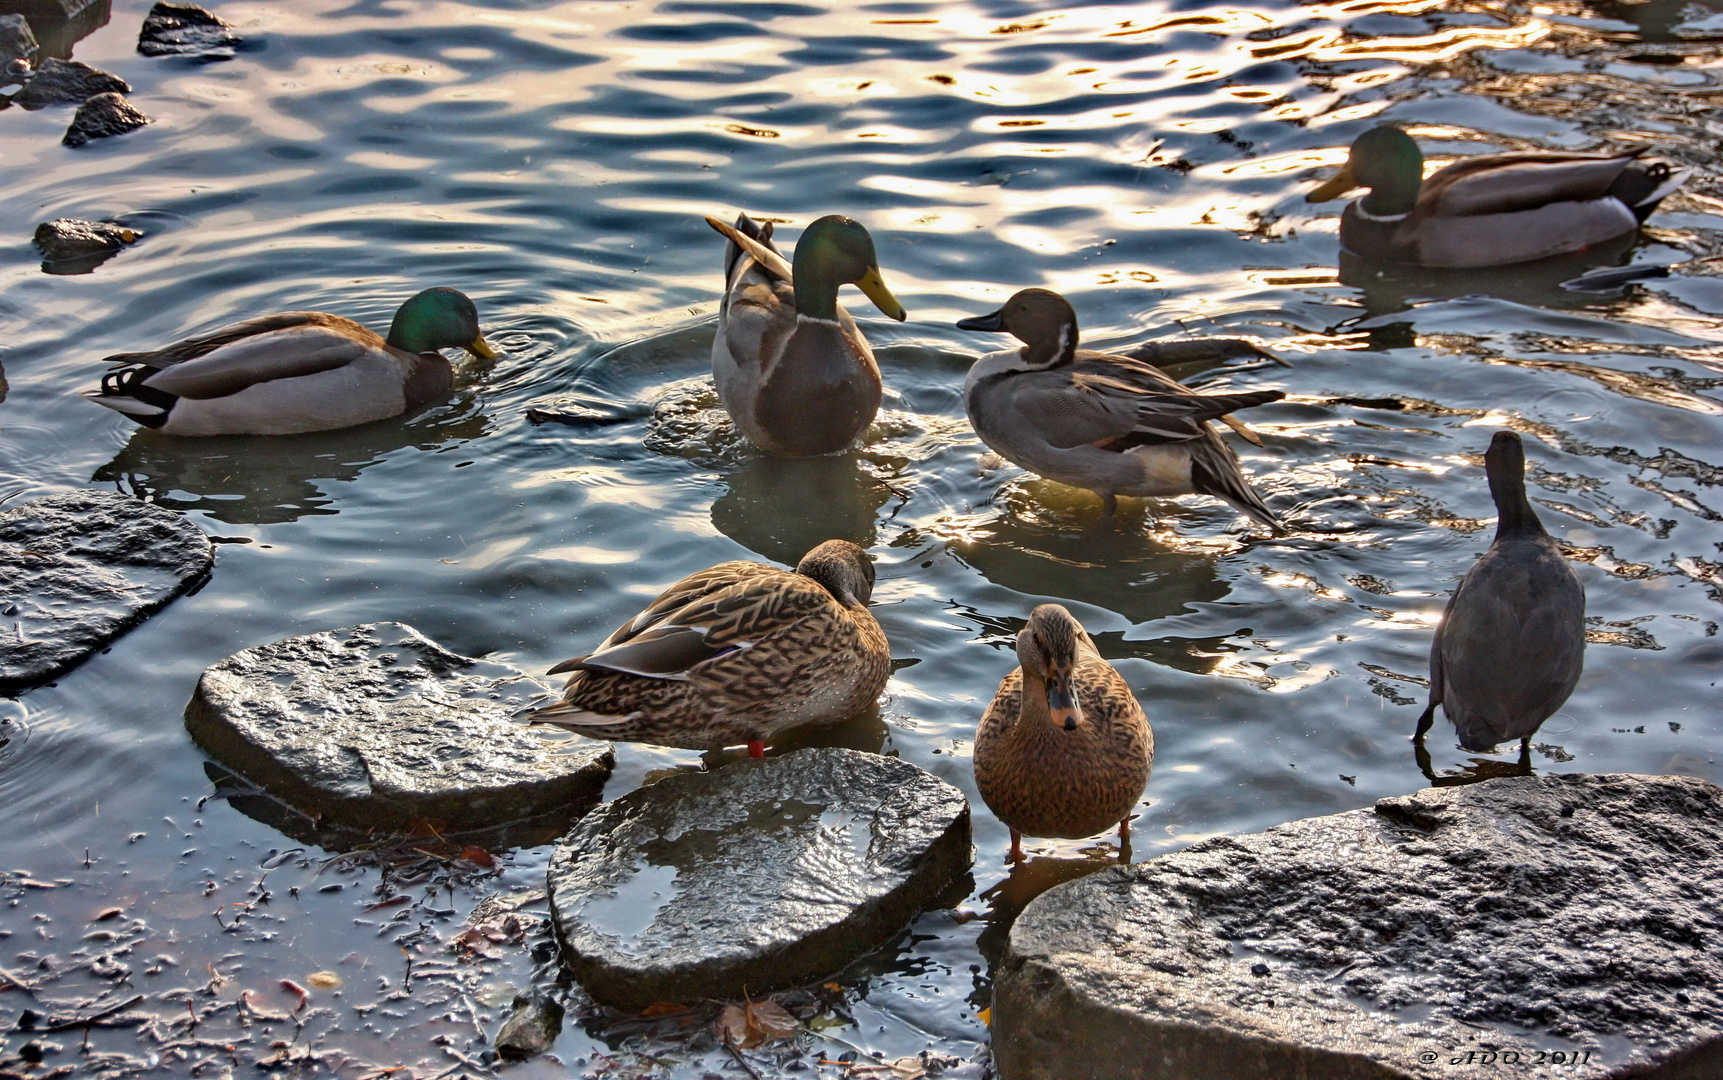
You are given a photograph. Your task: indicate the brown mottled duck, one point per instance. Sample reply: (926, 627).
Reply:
(735, 654)
(1064, 750)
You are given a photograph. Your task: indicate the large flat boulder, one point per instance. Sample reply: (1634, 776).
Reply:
(1555, 926)
(763, 874)
(78, 570)
(379, 726)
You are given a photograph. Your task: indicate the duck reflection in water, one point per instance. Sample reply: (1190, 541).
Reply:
(1511, 644)
(781, 507)
(1029, 879)
(252, 480)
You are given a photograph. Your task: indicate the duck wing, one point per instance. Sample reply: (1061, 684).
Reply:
(192, 348)
(717, 612)
(1509, 183)
(285, 353)
(1073, 407)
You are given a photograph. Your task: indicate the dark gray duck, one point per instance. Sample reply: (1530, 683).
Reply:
(1511, 643)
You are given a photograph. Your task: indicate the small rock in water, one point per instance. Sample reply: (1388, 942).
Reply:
(77, 570)
(101, 116)
(534, 1026)
(16, 40)
(75, 246)
(1519, 918)
(761, 875)
(379, 726)
(186, 30)
(67, 82)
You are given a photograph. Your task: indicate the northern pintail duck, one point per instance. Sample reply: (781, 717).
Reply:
(296, 371)
(1489, 210)
(1064, 750)
(792, 369)
(1101, 421)
(1511, 643)
(735, 654)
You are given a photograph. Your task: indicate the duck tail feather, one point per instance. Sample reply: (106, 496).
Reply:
(1215, 471)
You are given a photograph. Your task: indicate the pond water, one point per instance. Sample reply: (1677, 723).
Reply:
(555, 161)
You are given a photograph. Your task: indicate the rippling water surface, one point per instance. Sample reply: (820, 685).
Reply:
(555, 161)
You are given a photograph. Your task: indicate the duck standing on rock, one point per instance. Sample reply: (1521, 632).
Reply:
(1490, 210)
(792, 369)
(1511, 642)
(735, 654)
(1109, 423)
(1064, 750)
(295, 372)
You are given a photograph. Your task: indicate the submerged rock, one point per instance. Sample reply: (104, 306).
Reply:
(102, 116)
(1562, 925)
(16, 40)
(531, 1028)
(763, 874)
(186, 29)
(78, 570)
(75, 246)
(67, 82)
(378, 725)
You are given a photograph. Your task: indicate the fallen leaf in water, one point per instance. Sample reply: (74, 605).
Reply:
(909, 1068)
(663, 1008)
(985, 1016)
(109, 913)
(478, 856)
(324, 980)
(770, 1020)
(733, 1027)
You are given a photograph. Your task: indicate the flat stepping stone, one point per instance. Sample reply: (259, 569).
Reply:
(1552, 926)
(77, 570)
(379, 726)
(761, 875)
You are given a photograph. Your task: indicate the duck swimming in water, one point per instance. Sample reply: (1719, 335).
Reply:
(1101, 421)
(1511, 643)
(295, 372)
(792, 369)
(1490, 210)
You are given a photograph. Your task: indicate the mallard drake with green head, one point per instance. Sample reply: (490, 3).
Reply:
(296, 371)
(1490, 210)
(1109, 423)
(1064, 750)
(1511, 643)
(735, 654)
(792, 369)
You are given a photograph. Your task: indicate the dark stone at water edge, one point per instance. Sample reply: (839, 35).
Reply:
(1566, 926)
(58, 24)
(74, 246)
(763, 874)
(378, 725)
(531, 1028)
(16, 40)
(186, 29)
(67, 82)
(78, 570)
(101, 116)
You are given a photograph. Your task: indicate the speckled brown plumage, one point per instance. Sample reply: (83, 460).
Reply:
(735, 654)
(1069, 779)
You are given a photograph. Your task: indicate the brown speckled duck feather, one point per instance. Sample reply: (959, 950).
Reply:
(735, 654)
(1064, 750)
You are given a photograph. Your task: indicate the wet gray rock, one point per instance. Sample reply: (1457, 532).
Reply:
(378, 725)
(67, 82)
(102, 116)
(763, 874)
(78, 570)
(186, 30)
(531, 1028)
(75, 246)
(1518, 918)
(16, 40)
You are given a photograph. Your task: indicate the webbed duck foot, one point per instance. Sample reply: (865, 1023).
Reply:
(757, 748)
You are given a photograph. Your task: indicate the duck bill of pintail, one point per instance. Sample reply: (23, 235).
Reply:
(481, 348)
(995, 322)
(1061, 703)
(873, 286)
(1333, 189)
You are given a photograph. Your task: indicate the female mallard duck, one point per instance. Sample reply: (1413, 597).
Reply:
(1064, 750)
(1109, 423)
(735, 654)
(296, 371)
(1511, 642)
(792, 370)
(1489, 210)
